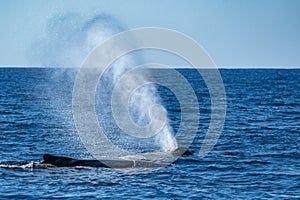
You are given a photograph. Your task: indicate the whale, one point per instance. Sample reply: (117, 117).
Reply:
(62, 161)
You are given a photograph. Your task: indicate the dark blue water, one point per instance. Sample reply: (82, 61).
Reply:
(256, 157)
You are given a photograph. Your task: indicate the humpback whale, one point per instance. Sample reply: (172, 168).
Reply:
(61, 161)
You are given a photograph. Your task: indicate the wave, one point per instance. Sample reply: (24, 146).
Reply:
(24, 164)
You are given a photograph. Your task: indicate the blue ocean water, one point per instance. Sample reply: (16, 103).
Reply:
(256, 157)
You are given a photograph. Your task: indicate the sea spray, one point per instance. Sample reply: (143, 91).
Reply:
(71, 37)
(144, 105)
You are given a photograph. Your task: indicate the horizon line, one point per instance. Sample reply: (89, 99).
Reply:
(175, 67)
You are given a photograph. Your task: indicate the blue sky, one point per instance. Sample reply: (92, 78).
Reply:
(234, 32)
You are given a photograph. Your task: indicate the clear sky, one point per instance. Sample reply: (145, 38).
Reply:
(247, 33)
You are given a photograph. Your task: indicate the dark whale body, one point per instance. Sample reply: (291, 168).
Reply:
(60, 161)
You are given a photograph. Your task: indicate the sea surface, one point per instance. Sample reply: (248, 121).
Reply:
(257, 155)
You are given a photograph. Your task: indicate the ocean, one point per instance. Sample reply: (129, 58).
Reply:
(256, 157)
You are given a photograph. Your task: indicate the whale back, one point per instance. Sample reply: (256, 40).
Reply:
(60, 161)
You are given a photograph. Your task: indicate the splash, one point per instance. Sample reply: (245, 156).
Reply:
(70, 38)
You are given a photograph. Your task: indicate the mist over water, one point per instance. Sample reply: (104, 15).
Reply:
(68, 40)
